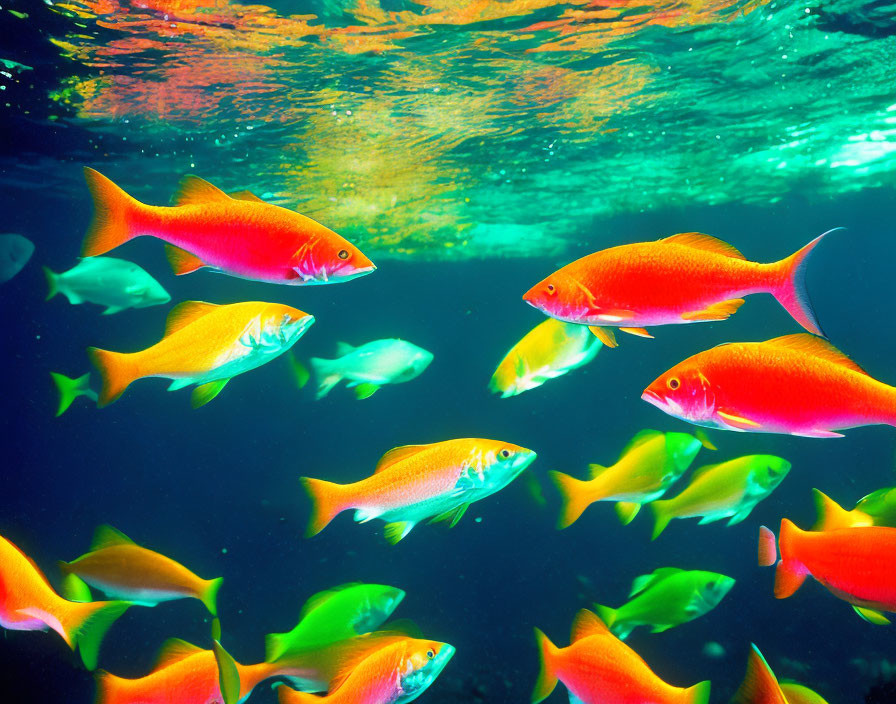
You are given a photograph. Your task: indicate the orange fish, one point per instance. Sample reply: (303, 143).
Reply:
(125, 570)
(205, 344)
(796, 384)
(29, 603)
(598, 668)
(399, 672)
(685, 278)
(415, 482)
(854, 564)
(238, 234)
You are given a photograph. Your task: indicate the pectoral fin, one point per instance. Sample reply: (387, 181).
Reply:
(204, 393)
(113, 309)
(603, 334)
(365, 390)
(452, 515)
(871, 615)
(639, 332)
(393, 532)
(819, 434)
(181, 261)
(737, 422)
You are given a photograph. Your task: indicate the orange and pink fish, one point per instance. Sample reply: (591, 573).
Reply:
(685, 278)
(206, 345)
(237, 234)
(797, 385)
(29, 603)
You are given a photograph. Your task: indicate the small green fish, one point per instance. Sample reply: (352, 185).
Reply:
(727, 490)
(337, 613)
(69, 389)
(647, 467)
(114, 283)
(667, 597)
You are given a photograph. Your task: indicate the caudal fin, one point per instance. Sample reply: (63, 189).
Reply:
(86, 625)
(326, 373)
(607, 615)
(575, 497)
(69, 389)
(790, 286)
(661, 516)
(698, 694)
(547, 676)
(768, 551)
(326, 502)
(52, 283)
(116, 372)
(209, 595)
(790, 573)
(759, 684)
(112, 212)
(831, 515)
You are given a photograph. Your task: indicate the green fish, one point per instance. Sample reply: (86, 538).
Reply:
(647, 467)
(335, 614)
(727, 490)
(69, 389)
(668, 597)
(876, 509)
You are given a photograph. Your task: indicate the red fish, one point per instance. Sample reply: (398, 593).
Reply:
(238, 234)
(29, 603)
(854, 564)
(796, 384)
(685, 278)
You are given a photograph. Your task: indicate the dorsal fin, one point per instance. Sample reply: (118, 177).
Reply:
(245, 195)
(343, 348)
(185, 313)
(586, 623)
(317, 600)
(193, 190)
(641, 438)
(817, 347)
(106, 537)
(759, 683)
(698, 240)
(641, 583)
(396, 454)
(33, 564)
(174, 650)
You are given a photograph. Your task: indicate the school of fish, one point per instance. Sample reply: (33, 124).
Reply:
(344, 649)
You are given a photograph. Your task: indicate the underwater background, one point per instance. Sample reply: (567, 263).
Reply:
(469, 149)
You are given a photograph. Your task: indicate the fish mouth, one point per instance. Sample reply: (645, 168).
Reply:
(523, 460)
(654, 399)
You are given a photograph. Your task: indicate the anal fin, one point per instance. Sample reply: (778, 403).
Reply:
(204, 393)
(604, 334)
(715, 311)
(638, 332)
(394, 532)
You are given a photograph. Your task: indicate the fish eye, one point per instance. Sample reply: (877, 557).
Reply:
(505, 453)
(551, 288)
(430, 653)
(343, 254)
(673, 383)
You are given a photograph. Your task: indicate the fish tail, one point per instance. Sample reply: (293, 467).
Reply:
(547, 676)
(698, 694)
(52, 282)
(86, 624)
(288, 695)
(607, 615)
(661, 517)
(790, 572)
(327, 374)
(116, 372)
(73, 587)
(112, 213)
(275, 644)
(209, 595)
(69, 389)
(829, 514)
(768, 551)
(326, 502)
(574, 495)
(789, 286)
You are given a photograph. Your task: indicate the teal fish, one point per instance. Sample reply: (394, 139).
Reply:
(337, 613)
(370, 366)
(114, 283)
(665, 598)
(727, 490)
(15, 251)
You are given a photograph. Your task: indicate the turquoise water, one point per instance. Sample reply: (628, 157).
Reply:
(469, 150)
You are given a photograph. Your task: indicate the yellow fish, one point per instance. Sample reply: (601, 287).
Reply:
(549, 350)
(204, 344)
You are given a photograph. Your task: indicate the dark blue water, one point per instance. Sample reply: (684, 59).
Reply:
(218, 489)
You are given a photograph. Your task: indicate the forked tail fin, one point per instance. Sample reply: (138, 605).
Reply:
(790, 573)
(112, 213)
(86, 625)
(547, 676)
(575, 497)
(790, 289)
(116, 372)
(209, 595)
